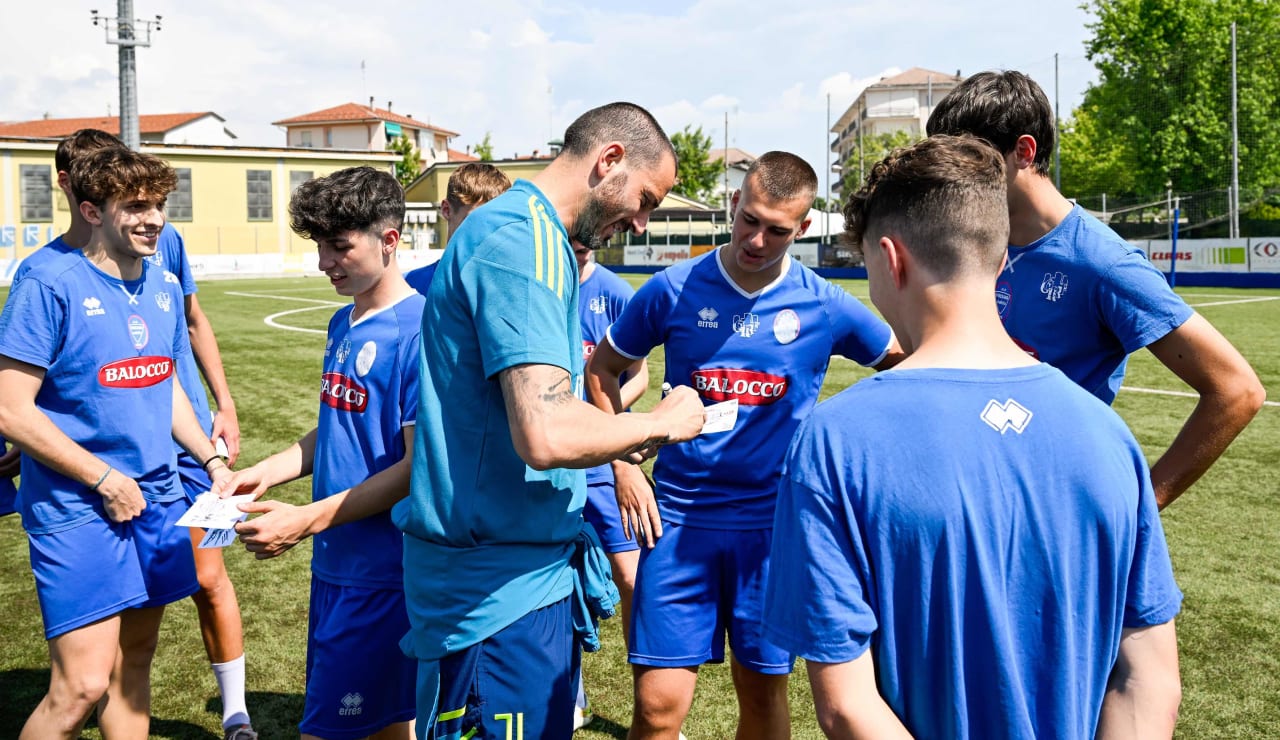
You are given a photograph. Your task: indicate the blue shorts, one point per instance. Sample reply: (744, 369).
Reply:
(358, 680)
(601, 511)
(519, 683)
(100, 568)
(695, 585)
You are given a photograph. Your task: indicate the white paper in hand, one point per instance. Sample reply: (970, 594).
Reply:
(218, 538)
(210, 512)
(720, 416)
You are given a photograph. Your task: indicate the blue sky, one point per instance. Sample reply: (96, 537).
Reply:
(523, 70)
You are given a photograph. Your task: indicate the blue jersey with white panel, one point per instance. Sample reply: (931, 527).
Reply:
(601, 299)
(108, 348)
(768, 349)
(986, 533)
(1082, 299)
(420, 279)
(368, 394)
(488, 538)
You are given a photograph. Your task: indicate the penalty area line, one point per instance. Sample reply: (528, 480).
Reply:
(271, 320)
(1179, 394)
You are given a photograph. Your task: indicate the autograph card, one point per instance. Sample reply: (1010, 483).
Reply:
(210, 512)
(218, 538)
(720, 416)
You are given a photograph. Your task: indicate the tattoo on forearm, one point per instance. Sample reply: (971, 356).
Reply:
(529, 396)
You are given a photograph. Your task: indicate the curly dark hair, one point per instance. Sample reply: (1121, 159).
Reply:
(354, 199)
(118, 172)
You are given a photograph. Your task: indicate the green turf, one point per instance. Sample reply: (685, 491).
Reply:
(1224, 535)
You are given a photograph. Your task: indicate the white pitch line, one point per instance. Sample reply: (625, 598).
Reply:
(271, 320)
(1180, 394)
(287, 298)
(1238, 300)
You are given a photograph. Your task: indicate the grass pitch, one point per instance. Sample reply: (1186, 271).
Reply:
(1224, 536)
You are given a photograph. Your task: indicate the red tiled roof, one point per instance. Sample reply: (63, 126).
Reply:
(918, 76)
(457, 156)
(59, 127)
(354, 113)
(736, 156)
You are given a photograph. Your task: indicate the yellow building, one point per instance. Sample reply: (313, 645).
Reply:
(229, 201)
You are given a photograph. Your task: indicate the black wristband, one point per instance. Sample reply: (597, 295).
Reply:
(205, 465)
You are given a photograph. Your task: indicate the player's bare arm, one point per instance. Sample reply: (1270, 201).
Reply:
(1230, 396)
(551, 428)
(1144, 690)
(892, 357)
(848, 703)
(291, 463)
(282, 525)
(27, 427)
(188, 433)
(204, 345)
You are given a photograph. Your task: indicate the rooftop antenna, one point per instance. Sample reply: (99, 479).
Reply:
(128, 33)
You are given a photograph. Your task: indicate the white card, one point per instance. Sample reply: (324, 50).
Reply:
(720, 416)
(210, 512)
(218, 538)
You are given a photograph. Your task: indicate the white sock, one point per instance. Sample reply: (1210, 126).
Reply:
(230, 676)
(581, 701)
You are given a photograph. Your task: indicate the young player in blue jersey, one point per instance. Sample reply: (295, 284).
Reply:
(968, 546)
(493, 523)
(1077, 296)
(744, 324)
(88, 348)
(359, 683)
(470, 186)
(216, 604)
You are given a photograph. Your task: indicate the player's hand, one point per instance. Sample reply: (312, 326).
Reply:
(280, 527)
(227, 425)
(250, 480)
(10, 463)
(121, 497)
(681, 414)
(219, 473)
(640, 518)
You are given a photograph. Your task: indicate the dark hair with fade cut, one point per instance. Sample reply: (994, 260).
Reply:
(998, 107)
(645, 141)
(119, 173)
(83, 142)
(782, 176)
(944, 197)
(353, 199)
(474, 183)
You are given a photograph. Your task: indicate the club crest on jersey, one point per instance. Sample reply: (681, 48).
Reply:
(1053, 285)
(1005, 416)
(343, 393)
(745, 324)
(364, 359)
(93, 307)
(750, 387)
(344, 351)
(138, 332)
(135, 372)
(164, 301)
(786, 326)
(598, 304)
(707, 318)
(1004, 296)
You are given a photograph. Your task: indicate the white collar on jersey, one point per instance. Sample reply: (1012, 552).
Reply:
(786, 267)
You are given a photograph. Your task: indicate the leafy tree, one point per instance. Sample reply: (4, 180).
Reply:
(874, 148)
(1092, 161)
(484, 150)
(410, 164)
(696, 175)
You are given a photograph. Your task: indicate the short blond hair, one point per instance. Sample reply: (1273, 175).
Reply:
(475, 183)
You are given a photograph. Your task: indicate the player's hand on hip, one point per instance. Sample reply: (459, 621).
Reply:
(121, 496)
(641, 520)
(681, 414)
(280, 527)
(227, 426)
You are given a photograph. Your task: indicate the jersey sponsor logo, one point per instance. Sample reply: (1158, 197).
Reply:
(1053, 285)
(93, 307)
(745, 324)
(135, 372)
(750, 387)
(364, 359)
(343, 393)
(786, 326)
(598, 304)
(138, 331)
(587, 349)
(351, 705)
(1004, 296)
(164, 301)
(1005, 416)
(707, 318)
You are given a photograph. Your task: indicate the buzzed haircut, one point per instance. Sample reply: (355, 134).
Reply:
(83, 142)
(635, 127)
(782, 176)
(945, 198)
(999, 107)
(119, 172)
(354, 199)
(475, 183)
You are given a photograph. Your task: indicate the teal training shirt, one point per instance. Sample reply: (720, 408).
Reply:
(487, 538)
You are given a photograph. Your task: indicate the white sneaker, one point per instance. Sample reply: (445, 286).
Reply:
(581, 718)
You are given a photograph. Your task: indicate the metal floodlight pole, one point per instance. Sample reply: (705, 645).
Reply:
(1057, 130)
(1234, 200)
(826, 203)
(123, 31)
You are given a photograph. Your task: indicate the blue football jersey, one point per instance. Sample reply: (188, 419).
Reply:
(109, 349)
(769, 350)
(420, 279)
(601, 299)
(368, 394)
